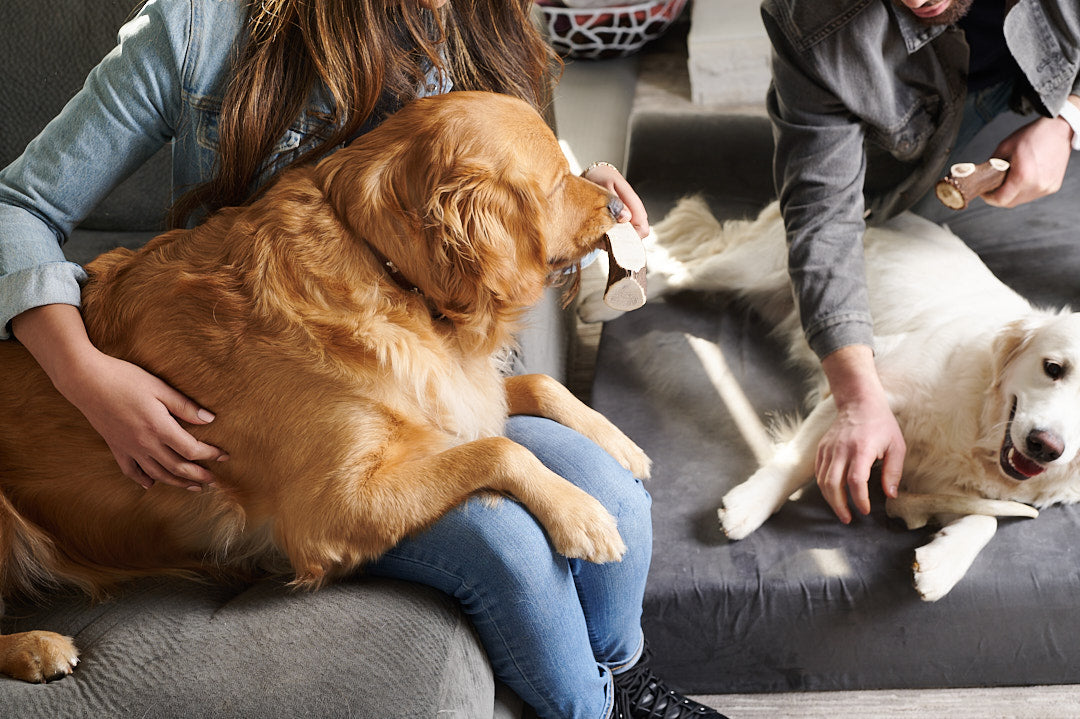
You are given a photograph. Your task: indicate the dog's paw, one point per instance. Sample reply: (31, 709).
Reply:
(742, 510)
(934, 575)
(592, 308)
(629, 455)
(37, 656)
(586, 530)
(943, 562)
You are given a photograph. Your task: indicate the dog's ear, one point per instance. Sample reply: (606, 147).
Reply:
(488, 231)
(1008, 344)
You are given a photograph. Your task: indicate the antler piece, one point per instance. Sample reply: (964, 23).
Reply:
(626, 286)
(966, 181)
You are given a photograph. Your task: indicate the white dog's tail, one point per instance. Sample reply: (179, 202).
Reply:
(695, 251)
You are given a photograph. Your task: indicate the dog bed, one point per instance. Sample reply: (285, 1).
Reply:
(804, 603)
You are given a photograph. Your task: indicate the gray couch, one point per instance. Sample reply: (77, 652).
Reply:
(169, 648)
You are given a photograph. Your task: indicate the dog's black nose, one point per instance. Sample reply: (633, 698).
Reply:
(1044, 446)
(615, 207)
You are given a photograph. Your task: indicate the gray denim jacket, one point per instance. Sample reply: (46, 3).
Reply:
(163, 82)
(866, 103)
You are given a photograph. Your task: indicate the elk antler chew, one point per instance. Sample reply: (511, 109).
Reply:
(625, 289)
(966, 181)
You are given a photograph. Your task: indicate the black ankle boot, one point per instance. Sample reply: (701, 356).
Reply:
(640, 694)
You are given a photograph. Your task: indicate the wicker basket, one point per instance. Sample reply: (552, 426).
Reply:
(604, 32)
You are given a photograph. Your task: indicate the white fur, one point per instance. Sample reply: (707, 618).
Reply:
(955, 348)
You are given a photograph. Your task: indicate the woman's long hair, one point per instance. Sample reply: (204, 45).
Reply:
(358, 52)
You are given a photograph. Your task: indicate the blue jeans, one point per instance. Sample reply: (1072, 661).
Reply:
(554, 628)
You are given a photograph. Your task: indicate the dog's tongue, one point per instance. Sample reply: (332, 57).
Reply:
(625, 289)
(1023, 465)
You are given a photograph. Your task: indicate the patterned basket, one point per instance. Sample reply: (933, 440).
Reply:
(604, 32)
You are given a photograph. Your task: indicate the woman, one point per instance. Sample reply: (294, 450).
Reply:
(243, 90)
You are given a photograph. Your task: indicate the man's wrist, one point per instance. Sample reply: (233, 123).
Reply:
(1071, 114)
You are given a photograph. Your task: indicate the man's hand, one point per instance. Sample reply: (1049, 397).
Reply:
(864, 431)
(1038, 154)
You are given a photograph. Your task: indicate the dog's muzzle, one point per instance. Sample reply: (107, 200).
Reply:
(1041, 446)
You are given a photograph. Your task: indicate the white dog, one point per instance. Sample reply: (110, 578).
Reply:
(986, 388)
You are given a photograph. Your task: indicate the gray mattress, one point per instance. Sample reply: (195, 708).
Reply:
(804, 602)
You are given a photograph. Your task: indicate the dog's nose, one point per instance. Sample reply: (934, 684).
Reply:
(1044, 446)
(615, 207)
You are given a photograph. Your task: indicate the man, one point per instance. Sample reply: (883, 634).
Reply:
(870, 101)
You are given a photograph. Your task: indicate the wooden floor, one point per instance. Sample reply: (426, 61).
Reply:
(1055, 702)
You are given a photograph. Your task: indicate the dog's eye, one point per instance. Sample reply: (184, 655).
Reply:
(1053, 370)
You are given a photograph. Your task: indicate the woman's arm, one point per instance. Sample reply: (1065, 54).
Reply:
(135, 412)
(126, 110)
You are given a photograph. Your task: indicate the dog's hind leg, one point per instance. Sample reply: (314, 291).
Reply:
(747, 506)
(943, 562)
(37, 656)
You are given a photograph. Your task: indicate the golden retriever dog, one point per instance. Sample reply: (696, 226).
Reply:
(985, 386)
(356, 409)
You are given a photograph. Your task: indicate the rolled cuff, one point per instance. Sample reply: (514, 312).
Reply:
(839, 331)
(47, 284)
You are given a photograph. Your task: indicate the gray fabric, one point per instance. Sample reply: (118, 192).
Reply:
(172, 648)
(804, 603)
(47, 51)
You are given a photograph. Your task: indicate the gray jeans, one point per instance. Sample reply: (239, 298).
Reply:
(1034, 248)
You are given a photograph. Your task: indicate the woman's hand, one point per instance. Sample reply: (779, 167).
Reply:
(864, 431)
(135, 412)
(1038, 155)
(606, 175)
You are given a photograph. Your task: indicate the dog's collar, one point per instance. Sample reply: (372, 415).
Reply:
(395, 274)
(402, 281)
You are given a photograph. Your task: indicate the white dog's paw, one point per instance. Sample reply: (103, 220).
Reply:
(744, 509)
(943, 562)
(935, 572)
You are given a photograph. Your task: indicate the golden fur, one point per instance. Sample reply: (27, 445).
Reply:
(354, 412)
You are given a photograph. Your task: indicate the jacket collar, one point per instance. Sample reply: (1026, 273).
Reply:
(915, 34)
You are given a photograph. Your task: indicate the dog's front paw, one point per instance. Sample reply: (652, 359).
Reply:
(37, 656)
(943, 562)
(934, 574)
(742, 510)
(629, 455)
(584, 529)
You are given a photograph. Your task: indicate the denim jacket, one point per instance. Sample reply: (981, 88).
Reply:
(163, 82)
(866, 103)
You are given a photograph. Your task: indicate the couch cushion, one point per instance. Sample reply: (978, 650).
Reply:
(173, 648)
(728, 54)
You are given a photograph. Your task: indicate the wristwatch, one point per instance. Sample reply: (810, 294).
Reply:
(1070, 114)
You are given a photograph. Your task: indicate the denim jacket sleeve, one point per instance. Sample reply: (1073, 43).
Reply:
(819, 167)
(125, 111)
